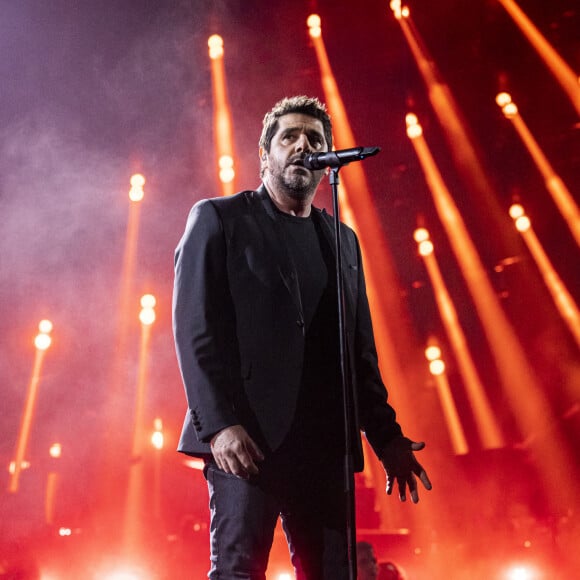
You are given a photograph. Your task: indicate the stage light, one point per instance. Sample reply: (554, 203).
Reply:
(157, 439)
(399, 10)
(55, 450)
(147, 314)
(432, 353)
(516, 211)
(226, 172)
(64, 532)
(522, 221)
(284, 576)
(137, 180)
(136, 192)
(426, 248)
(45, 326)
(522, 572)
(502, 99)
(421, 235)
(148, 301)
(42, 341)
(314, 26)
(414, 129)
(197, 464)
(396, 7)
(23, 465)
(216, 46)
(510, 110)
(436, 367)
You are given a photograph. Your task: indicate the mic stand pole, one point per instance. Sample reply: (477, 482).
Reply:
(347, 395)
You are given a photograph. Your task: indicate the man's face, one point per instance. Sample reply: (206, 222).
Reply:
(297, 136)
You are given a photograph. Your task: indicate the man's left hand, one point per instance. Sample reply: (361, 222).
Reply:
(402, 467)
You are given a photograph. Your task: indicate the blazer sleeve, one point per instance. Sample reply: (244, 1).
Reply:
(204, 323)
(377, 417)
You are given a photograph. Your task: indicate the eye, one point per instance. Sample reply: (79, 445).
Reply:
(316, 142)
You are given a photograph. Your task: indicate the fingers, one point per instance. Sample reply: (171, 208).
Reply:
(235, 452)
(425, 480)
(417, 445)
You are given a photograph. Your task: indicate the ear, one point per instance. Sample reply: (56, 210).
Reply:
(263, 156)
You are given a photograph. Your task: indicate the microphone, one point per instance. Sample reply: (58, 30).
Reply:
(338, 158)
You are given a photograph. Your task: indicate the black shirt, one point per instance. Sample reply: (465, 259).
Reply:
(317, 429)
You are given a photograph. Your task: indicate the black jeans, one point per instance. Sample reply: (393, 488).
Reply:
(311, 503)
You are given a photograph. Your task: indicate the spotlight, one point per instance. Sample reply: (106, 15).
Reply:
(516, 211)
(136, 192)
(510, 110)
(421, 235)
(414, 129)
(314, 26)
(522, 221)
(45, 326)
(522, 572)
(148, 301)
(426, 248)
(147, 314)
(157, 439)
(226, 172)
(55, 450)
(502, 99)
(216, 46)
(43, 340)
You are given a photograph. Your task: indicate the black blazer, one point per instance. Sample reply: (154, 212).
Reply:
(239, 326)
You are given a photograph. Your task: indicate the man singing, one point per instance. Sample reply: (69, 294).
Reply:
(256, 333)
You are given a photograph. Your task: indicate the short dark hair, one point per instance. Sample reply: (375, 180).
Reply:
(298, 104)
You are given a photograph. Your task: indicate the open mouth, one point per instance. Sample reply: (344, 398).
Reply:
(297, 162)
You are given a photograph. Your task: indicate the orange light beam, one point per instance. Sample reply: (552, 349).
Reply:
(562, 298)
(112, 448)
(52, 485)
(458, 440)
(447, 111)
(135, 493)
(42, 342)
(136, 194)
(454, 427)
(50, 497)
(486, 424)
(530, 406)
(560, 194)
(565, 76)
(223, 131)
(26, 421)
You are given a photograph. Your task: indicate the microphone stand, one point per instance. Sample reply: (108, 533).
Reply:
(347, 395)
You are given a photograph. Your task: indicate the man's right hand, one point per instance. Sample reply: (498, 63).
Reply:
(235, 452)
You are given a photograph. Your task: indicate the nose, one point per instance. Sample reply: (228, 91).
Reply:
(302, 143)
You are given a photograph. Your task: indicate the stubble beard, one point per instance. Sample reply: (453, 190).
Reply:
(298, 185)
